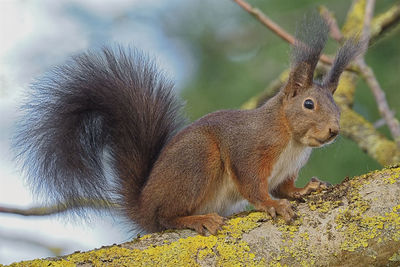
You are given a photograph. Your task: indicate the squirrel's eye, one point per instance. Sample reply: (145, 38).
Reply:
(309, 104)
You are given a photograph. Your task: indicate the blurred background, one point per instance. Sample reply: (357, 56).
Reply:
(217, 54)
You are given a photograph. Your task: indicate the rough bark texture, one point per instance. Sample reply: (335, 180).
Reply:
(354, 223)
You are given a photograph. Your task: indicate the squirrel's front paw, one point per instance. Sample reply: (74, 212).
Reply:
(281, 207)
(313, 185)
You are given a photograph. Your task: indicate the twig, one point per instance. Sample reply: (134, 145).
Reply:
(334, 30)
(54, 209)
(385, 21)
(380, 98)
(381, 122)
(369, 76)
(270, 24)
(266, 21)
(369, 12)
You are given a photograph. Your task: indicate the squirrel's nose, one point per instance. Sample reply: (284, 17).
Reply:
(333, 132)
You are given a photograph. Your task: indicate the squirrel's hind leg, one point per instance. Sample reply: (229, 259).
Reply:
(182, 184)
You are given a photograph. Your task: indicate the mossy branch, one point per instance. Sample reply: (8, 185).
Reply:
(354, 223)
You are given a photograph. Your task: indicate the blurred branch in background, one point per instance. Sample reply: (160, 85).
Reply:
(270, 24)
(353, 125)
(95, 204)
(329, 17)
(385, 21)
(369, 76)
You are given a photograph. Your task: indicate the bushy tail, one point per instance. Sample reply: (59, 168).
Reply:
(114, 101)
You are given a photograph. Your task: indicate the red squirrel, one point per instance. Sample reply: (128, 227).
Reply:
(115, 104)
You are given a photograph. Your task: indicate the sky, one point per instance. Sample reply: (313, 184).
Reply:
(34, 36)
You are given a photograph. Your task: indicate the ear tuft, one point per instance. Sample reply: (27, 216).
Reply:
(311, 36)
(348, 52)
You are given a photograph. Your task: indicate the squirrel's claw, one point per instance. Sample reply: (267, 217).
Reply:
(313, 185)
(212, 222)
(283, 208)
(271, 211)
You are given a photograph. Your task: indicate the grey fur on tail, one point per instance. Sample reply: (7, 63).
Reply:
(114, 99)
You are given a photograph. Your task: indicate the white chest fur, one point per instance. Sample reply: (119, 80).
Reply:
(290, 161)
(226, 200)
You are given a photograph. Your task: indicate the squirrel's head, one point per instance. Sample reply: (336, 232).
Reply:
(308, 105)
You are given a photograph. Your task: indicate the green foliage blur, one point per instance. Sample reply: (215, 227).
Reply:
(237, 57)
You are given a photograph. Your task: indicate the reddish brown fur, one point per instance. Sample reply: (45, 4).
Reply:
(287, 188)
(215, 150)
(213, 162)
(229, 155)
(168, 180)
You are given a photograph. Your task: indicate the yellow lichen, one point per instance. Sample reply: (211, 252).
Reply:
(42, 263)
(295, 244)
(251, 103)
(237, 226)
(395, 257)
(227, 248)
(357, 228)
(393, 177)
(355, 18)
(363, 132)
(231, 250)
(323, 206)
(378, 21)
(344, 94)
(144, 237)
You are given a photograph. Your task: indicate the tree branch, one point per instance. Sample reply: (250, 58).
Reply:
(369, 76)
(54, 209)
(385, 21)
(383, 107)
(369, 13)
(278, 30)
(356, 223)
(334, 30)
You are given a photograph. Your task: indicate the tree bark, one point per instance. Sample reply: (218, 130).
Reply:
(354, 223)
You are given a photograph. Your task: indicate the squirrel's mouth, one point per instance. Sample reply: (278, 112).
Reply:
(312, 139)
(318, 142)
(326, 141)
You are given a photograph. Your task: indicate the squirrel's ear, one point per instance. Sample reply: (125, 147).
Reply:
(300, 78)
(349, 51)
(311, 36)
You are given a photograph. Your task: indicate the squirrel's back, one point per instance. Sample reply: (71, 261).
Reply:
(114, 100)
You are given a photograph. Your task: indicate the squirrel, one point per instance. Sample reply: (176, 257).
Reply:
(116, 104)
